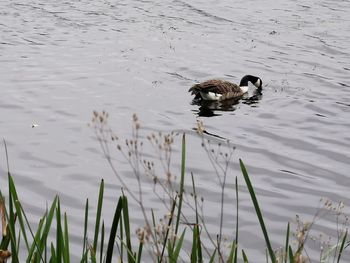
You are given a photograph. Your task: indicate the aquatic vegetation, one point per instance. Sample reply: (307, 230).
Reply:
(174, 236)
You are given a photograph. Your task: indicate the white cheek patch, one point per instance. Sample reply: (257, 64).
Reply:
(257, 83)
(244, 89)
(211, 96)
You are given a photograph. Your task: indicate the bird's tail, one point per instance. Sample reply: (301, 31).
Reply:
(195, 91)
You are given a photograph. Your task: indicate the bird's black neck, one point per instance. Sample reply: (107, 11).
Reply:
(246, 79)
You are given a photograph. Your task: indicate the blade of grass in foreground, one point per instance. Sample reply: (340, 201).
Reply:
(245, 259)
(178, 247)
(116, 218)
(83, 258)
(212, 258)
(59, 237)
(47, 227)
(36, 241)
(199, 243)
(182, 180)
(287, 244)
(194, 245)
(127, 228)
(139, 253)
(236, 242)
(66, 255)
(102, 241)
(18, 210)
(257, 211)
(12, 229)
(290, 253)
(98, 215)
(342, 245)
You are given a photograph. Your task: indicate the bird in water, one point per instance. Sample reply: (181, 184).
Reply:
(220, 90)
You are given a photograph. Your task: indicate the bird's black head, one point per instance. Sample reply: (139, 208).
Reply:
(255, 80)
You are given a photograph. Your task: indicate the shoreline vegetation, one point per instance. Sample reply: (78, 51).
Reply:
(176, 236)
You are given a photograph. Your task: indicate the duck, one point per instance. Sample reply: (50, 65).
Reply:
(220, 90)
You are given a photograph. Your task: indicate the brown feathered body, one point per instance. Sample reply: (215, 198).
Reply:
(216, 90)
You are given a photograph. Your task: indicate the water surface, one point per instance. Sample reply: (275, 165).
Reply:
(61, 60)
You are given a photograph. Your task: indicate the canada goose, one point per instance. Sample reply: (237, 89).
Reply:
(223, 90)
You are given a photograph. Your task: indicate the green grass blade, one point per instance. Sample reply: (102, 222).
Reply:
(342, 246)
(127, 229)
(199, 243)
(46, 230)
(212, 258)
(11, 224)
(18, 210)
(53, 258)
(233, 250)
(182, 180)
(287, 244)
(116, 218)
(245, 258)
(121, 237)
(170, 251)
(290, 253)
(194, 245)
(168, 228)
(155, 235)
(84, 257)
(36, 240)
(237, 205)
(102, 241)
(98, 215)
(84, 254)
(139, 252)
(257, 211)
(130, 253)
(59, 237)
(178, 246)
(92, 255)
(66, 254)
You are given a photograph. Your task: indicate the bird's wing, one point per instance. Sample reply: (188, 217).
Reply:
(216, 86)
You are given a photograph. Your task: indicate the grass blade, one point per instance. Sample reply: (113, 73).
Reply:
(342, 245)
(18, 210)
(212, 258)
(290, 253)
(116, 218)
(245, 258)
(102, 241)
(139, 253)
(168, 228)
(127, 228)
(53, 258)
(257, 211)
(178, 247)
(233, 250)
(194, 251)
(11, 224)
(155, 235)
(46, 230)
(59, 237)
(66, 256)
(236, 243)
(182, 180)
(36, 240)
(85, 231)
(287, 244)
(98, 215)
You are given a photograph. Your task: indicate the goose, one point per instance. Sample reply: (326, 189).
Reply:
(220, 90)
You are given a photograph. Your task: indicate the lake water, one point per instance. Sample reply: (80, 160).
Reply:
(60, 60)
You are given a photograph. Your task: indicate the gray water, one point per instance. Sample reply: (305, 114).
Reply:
(60, 60)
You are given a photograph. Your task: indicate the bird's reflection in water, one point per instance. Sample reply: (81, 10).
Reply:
(211, 108)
